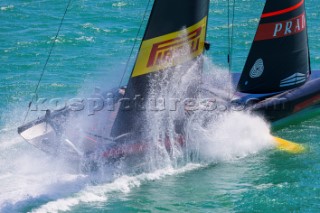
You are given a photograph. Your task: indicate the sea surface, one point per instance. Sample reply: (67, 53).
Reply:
(92, 50)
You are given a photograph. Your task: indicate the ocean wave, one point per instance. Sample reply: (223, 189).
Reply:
(119, 4)
(11, 49)
(59, 40)
(86, 38)
(57, 85)
(4, 8)
(97, 29)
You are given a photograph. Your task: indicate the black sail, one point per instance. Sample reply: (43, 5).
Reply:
(172, 26)
(279, 56)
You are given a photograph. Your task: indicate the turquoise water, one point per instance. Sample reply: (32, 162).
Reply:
(91, 51)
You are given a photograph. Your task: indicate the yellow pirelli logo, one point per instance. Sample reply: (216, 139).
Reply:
(171, 49)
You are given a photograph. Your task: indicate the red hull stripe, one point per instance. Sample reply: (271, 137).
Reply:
(90, 139)
(137, 148)
(279, 12)
(307, 103)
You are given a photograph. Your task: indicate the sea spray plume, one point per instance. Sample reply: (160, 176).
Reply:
(173, 85)
(227, 137)
(217, 134)
(223, 134)
(165, 121)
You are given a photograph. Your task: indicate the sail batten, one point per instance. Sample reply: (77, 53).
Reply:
(279, 49)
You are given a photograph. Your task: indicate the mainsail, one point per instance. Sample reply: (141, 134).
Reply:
(173, 26)
(279, 56)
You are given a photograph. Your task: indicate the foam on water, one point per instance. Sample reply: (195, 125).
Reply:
(29, 176)
(101, 192)
(3, 8)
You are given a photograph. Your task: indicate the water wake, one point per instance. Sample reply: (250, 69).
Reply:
(100, 193)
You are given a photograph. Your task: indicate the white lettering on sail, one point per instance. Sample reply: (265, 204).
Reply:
(291, 26)
(303, 22)
(281, 29)
(297, 29)
(277, 29)
(257, 69)
(288, 28)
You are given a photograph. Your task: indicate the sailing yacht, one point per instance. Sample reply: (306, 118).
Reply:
(276, 81)
(278, 65)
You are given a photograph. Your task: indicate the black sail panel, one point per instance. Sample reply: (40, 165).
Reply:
(178, 25)
(279, 56)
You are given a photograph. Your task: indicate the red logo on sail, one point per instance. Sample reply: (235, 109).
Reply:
(164, 50)
(281, 29)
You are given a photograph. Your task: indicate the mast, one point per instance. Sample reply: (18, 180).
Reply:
(172, 26)
(279, 56)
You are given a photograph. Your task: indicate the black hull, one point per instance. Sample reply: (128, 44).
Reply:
(280, 106)
(286, 104)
